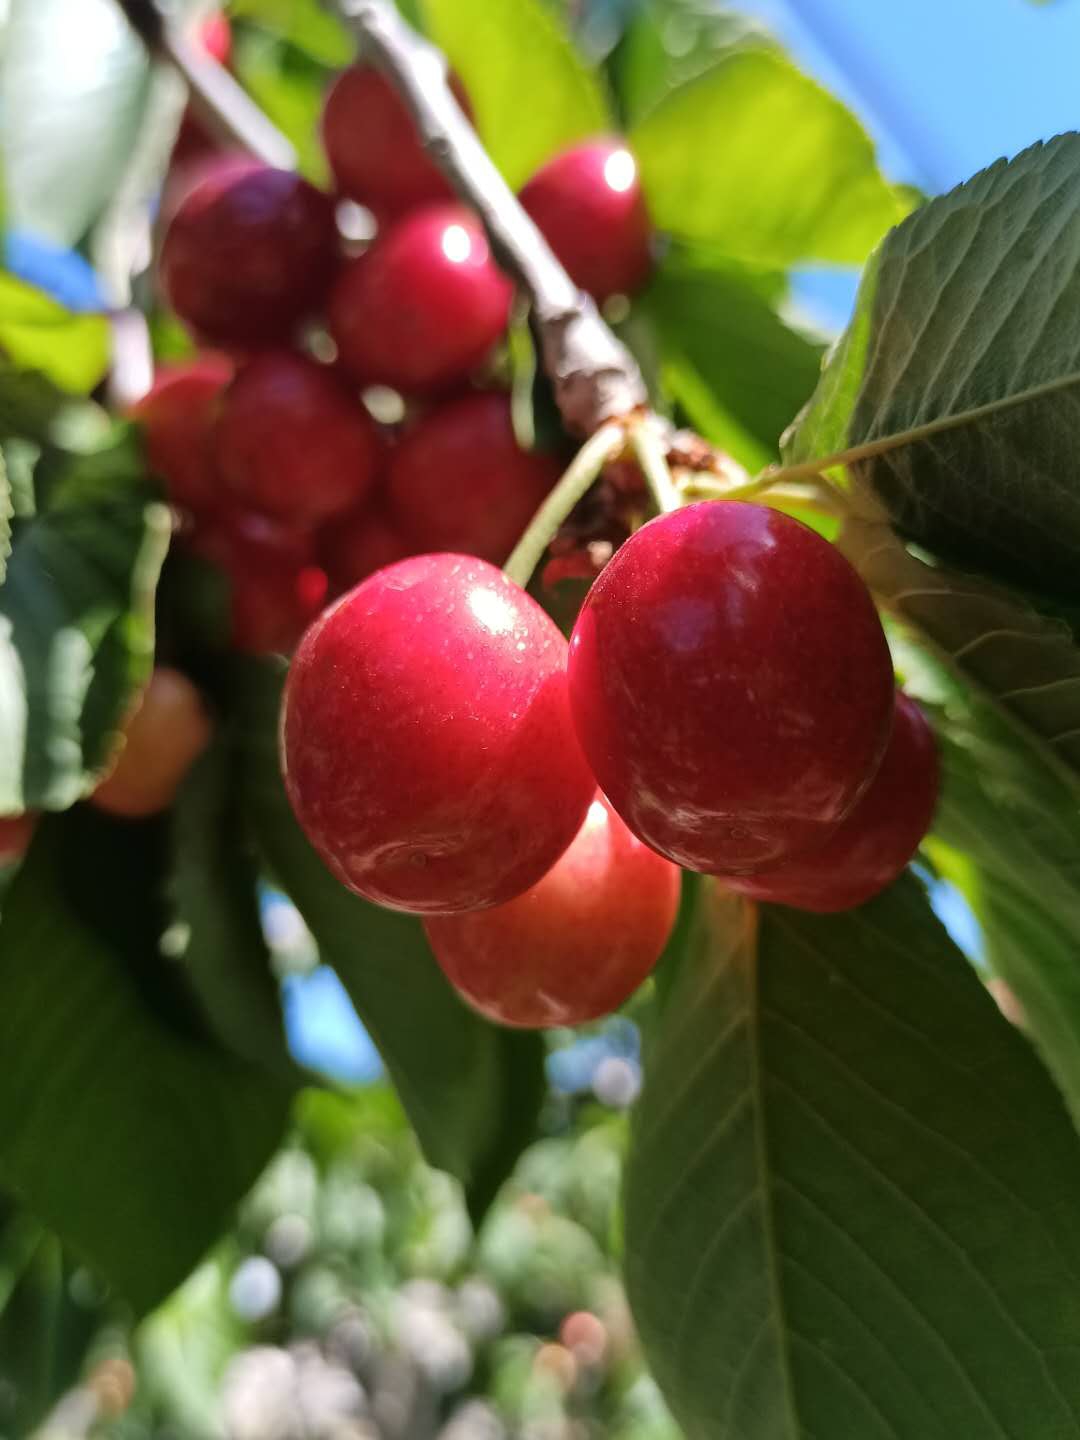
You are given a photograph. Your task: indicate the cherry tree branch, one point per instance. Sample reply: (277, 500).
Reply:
(220, 103)
(594, 375)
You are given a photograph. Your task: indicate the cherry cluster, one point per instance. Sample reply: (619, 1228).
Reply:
(727, 686)
(286, 481)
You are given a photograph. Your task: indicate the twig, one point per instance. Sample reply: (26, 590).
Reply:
(594, 375)
(222, 105)
(579, 476)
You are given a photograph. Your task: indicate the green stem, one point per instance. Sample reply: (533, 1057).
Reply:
(652, 457)
(582, 471)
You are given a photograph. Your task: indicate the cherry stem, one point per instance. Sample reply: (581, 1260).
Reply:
(579, 476)
(651, 451)
(223, 105)
(594, 375)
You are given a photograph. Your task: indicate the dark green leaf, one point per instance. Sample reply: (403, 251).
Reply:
(471, 1090)
(121, 1124)
(738, 371)
(852, 1190)
(73, 83)
(531, 92)
(76, 623)
(757, 159)
(7, 509)
(954, 393)
(219, 939)
(37, 333)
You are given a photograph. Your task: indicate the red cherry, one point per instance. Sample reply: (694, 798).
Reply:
(575, 946)
(16, 832)
(731, 686)
(590, 207)
(294, 441)
(250, 251)
(275, 582)
(423, 306)
(356, 545)
(426, 738)
(168, 731)
(458, 480)
(373, 147)
(872, 846)
(177, 415)
(214, 37)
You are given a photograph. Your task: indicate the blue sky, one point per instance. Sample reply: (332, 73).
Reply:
(944, 86)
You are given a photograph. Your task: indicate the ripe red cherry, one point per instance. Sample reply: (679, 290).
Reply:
(458, 480)
(423, 306)
(871, 847)
(178, 415)
(294, 442)
(589, 205)
(427, 744)
(355, 546)
(250, 252)
(164, 737)
(576, 945)
(373, 147)
(276, 585)
(731, 686)
(16, 832)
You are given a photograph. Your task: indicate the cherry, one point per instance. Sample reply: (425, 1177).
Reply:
(577, 944)
(215, 37)
(589, 205)
(294, 442)
(458, 480)
(731, 686)
(276, 584)
(163, 738)
(250, 251)
(423, 306)
(16, 832)
(872, 846)
(427, 744)
(177, 415)
(356, 545)
(373, 147)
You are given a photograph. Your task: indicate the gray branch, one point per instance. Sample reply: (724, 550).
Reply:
(594, 375)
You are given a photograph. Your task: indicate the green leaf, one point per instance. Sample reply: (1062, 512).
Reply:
(755, 158)
(7, 509)
(289, 86)
(304, 23)
(38, 333)
(121, 1124)
(851, 1191)
(218, 939)
(76, 623)
(73, 83)
(953, 395)
(531, 92)
(471, 1089)
(669, 42)
(727, 357)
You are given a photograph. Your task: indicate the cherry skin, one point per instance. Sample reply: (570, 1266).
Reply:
(276, 585)
(869, 849)
(356, 545)
(163, 738)
(249, 253)
(577, 944)
(294, 442)
(373, 148)
(731, 686)
(427, 744)
(178, 415)
(589, 205)
(458, 480)
(423, 306)
(16, 832)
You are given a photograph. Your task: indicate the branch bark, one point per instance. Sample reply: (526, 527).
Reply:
(594, 375)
